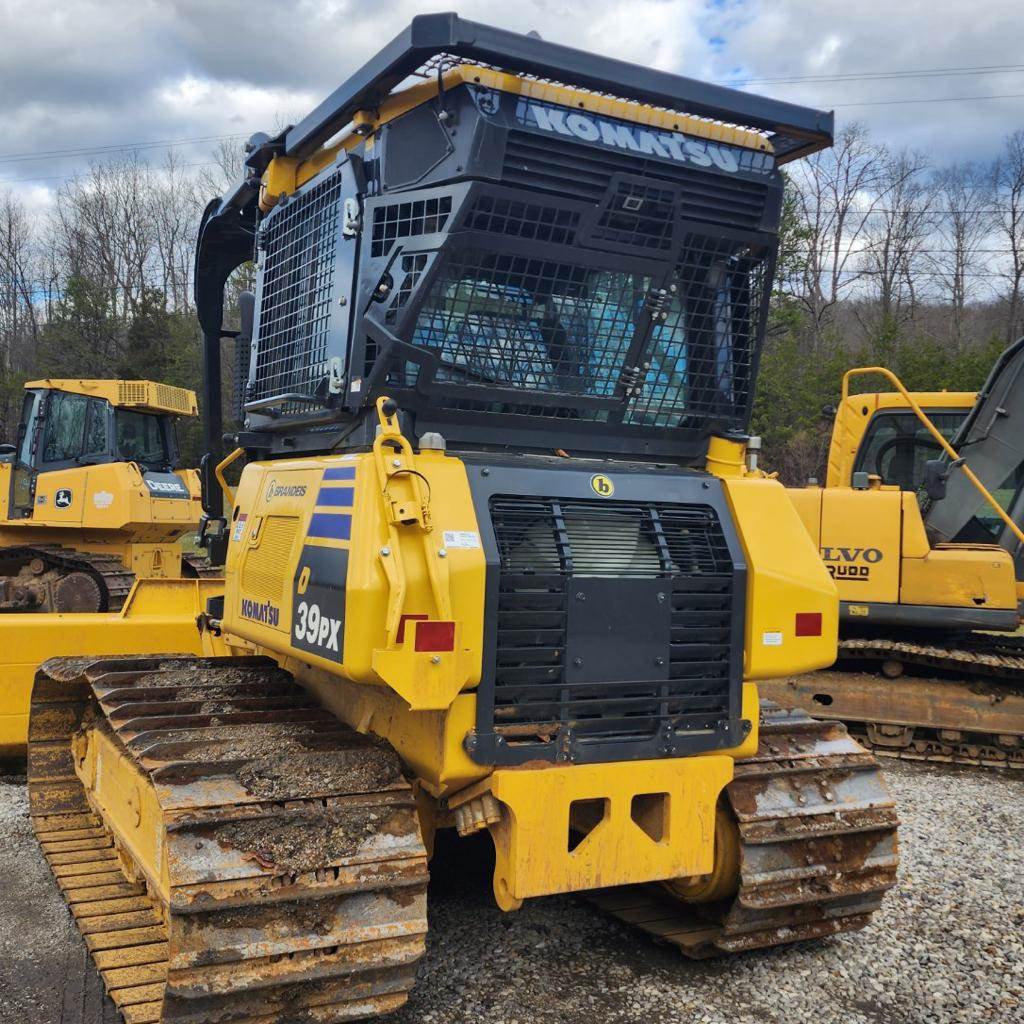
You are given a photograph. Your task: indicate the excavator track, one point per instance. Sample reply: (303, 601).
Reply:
(818, 847)
(113, 581)
(963, 704)
(979, 654)
(289, 876)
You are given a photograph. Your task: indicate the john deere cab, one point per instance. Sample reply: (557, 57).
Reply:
(91, 496)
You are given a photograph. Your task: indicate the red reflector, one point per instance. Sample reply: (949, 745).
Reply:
(435, 636)
(808, 624)
(401, 625)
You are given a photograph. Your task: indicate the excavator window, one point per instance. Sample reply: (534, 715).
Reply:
(896, 445)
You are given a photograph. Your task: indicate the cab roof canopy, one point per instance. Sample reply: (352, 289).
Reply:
(141, 395)
(437, 41)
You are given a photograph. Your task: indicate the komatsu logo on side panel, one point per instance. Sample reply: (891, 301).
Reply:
(645, 141)
(260, 612)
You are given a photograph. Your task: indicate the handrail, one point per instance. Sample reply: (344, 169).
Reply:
(229, 491)
(956, 460)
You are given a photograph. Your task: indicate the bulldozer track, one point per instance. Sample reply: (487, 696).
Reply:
(818, 847)
(108, 570)
(202, 568)
(290, 876)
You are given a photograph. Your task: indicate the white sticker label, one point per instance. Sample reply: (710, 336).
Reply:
(771, 639)
(103, 499)
(236, 533)
(461, 539)
(356, 385)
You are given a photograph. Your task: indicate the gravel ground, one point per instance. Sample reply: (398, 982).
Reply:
(948, 945)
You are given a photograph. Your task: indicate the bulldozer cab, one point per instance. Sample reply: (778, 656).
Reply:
(506, 256)
(73, 424)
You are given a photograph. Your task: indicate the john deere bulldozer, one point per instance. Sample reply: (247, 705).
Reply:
(495, 562)
(919, 525)
(90, 498)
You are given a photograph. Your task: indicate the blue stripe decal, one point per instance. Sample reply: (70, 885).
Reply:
(330, 526)
(340, 473)
(335, 497)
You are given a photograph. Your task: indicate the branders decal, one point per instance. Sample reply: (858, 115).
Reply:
(602, 485)
(63, 498)
(621, 135)
(276, 490)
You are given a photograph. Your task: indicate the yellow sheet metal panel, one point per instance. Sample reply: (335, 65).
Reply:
(860, 542)
(159, 617)
(792, 608)
(915, 539)
(431, 743)
(110, 497)
(807, 502)
(960, 576)
(648, 821)
(313, 541)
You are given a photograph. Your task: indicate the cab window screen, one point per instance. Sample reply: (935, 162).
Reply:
(897, 445)
(140, 438)
(96, 429)
(65, 428)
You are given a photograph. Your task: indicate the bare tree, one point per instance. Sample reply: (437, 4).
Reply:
(962, 224)
(837, 191)
(1008, 206)
(895, 238)
(19, 303)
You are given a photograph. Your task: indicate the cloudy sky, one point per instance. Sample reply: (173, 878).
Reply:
(78, 77)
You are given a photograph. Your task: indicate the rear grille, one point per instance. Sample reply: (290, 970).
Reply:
(585, 172)
(549, 552)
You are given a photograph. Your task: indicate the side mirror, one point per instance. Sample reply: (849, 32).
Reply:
(209, 488)
(7, 449)
(935, 477)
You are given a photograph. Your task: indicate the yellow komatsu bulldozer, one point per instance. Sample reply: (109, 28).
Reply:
(90, 499)
(495, 562)
(919, 525)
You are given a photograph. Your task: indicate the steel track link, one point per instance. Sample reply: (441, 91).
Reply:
(109, 570)
(290, 876)
(990, 656)
(818, 847)
(984, 654)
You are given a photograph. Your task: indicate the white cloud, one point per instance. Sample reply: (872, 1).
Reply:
(79, 73)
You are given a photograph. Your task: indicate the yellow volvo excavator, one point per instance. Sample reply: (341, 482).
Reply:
(90, 498)
(919, 525)
(495, 561)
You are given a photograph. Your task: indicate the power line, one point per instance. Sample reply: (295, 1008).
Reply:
(873, 76)
(68, 177)
(939, 99)
(117, 147)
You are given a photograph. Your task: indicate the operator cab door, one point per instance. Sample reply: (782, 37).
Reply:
(72, 433)
(22, 495)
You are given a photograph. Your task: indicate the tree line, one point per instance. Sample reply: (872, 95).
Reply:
(887, 258)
